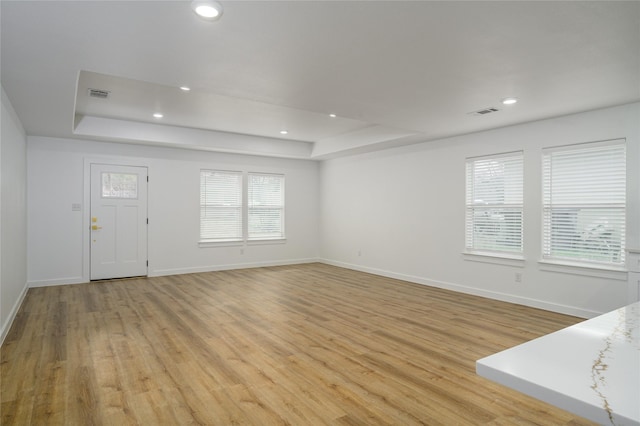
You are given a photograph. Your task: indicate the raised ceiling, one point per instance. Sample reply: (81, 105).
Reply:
(394, 72)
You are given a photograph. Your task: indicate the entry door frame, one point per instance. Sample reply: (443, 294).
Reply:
(86, 203)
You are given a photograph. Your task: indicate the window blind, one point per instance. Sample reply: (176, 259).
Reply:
(220, 205)
(265, 206)
(494, 199)
(584, 203)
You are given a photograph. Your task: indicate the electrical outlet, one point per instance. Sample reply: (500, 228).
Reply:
(518, 277)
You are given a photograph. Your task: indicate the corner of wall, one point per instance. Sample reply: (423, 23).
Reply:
(6, 325)
(13, 215)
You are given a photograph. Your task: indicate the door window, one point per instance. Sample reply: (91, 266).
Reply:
(119, 185)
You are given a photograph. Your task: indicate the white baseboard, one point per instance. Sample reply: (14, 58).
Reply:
(57, 281)
(12, 315)
(212, 268)
(178, 271)
(504, 297)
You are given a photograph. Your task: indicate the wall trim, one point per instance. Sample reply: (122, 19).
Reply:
(112, 160)
(504, 297)
(213, 268)
(534, 303)
(57, 281)
(12, 315)
(180, 271)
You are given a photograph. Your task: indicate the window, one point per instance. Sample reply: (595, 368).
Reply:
(220, 205)
(265, 206)
(584, 203)
(119, 185)
(227, 215)
(494, 204)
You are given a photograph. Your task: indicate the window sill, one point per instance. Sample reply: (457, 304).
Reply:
(220, 243)
(494, 258)
(584, 269)
(266, 241)
(240, 243)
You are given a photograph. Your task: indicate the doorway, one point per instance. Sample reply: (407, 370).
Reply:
(118, 228)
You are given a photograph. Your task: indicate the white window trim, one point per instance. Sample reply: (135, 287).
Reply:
(220, 243)
(265, 241)
(496, 257)
(581, 267)
(246, 206)
(242, 195)
(246, 240)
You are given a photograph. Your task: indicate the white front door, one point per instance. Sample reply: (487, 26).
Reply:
(118, 221)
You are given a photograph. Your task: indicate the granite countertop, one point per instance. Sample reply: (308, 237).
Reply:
(591, 369)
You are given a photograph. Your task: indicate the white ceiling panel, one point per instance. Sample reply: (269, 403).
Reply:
(386, 68)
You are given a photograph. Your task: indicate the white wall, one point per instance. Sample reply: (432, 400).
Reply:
(401, 209)
(13, 225)
(58, 236)
(400, 213)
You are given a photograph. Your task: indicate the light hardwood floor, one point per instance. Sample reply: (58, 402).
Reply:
(300, 345)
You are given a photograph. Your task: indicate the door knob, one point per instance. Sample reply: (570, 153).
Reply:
(95, 227)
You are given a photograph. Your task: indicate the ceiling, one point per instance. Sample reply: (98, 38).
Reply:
(393, 72)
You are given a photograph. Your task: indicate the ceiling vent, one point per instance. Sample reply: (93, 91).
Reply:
(97, 93)
(484, 111)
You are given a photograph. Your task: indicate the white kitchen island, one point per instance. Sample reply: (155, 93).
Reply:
(591, 369)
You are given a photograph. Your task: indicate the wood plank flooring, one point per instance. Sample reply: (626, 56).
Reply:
(298, 345)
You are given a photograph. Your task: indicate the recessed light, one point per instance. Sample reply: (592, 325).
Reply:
(207, 9)
(509, 101)
(332, 115)
(283, 132)
(185, 88)
(158, 115)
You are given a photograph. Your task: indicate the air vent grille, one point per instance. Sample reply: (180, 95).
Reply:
(98, 93)
(484, 111)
